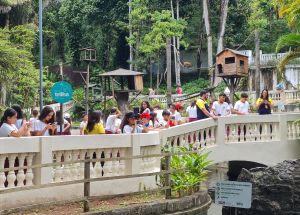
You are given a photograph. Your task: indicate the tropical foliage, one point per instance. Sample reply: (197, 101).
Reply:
(290, 10)
(190, 171)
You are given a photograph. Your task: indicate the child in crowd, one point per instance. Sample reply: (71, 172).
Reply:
(61, 121)
(220, 107)
(168, 122)
(145, 107)
(154, 121)
(158, 111)
(34, 118)
(110, 127)
(45, 125)
(145, 118)
(192, 111)
(8, 125)
(175, 115)
(129, 125)
(94, 126)
(83, 123)
(242, 106)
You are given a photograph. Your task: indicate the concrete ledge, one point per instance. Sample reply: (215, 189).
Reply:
(198, 203)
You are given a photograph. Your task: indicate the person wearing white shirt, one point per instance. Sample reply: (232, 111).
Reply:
(220, 107)
(192, 111)
(8, 127)
(175, 115)
(158, 111)
(83, 123)
(45, 125)
(110, 126)
(242, 106)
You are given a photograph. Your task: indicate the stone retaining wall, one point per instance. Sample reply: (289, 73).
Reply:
(196, 204)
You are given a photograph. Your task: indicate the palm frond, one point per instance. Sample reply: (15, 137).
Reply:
(283, 62)
(289, 40)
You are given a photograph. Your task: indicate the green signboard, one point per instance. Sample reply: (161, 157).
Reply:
(61, 92)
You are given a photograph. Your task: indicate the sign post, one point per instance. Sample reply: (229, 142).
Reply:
(233, 194)
(61, 92)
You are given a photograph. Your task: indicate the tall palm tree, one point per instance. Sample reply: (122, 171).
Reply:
(290, 10)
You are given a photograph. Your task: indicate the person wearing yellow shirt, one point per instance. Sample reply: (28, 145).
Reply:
(264, 104)
(203, 110)
(94, 126)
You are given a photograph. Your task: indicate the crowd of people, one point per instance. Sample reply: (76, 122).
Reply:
(142, 120)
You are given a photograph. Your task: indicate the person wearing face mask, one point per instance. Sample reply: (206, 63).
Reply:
(203, 111)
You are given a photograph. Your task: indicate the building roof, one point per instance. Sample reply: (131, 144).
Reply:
(121, 72)
(233, 51)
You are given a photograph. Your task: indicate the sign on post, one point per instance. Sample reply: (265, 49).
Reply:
(233, 194)
(61, 92)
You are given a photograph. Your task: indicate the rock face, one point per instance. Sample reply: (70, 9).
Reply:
(276, 190)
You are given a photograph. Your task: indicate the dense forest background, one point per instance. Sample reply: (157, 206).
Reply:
(70, 25)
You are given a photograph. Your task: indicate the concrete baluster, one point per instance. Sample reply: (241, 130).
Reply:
(195, 139)
(107, 164)
(208, 137)
(75, 166)
(98, 167)
(67, 167)
(2, 174)
(92, 169)
(202, 141)
(181, 140)
(213, 135)
(11, 177)
(21, 175)
(58, 175)
(81, 170)
(115, 163)
(122, 162)
(29, 174)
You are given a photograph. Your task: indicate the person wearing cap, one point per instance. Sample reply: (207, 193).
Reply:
(129, 125)
(67, 117)
(175, 115)
(203, 111)
(145, 118)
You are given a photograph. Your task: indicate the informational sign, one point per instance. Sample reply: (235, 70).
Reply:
(233, 194)
(61, 92)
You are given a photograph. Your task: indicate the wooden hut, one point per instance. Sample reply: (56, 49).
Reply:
(119, 83)
(231, 63)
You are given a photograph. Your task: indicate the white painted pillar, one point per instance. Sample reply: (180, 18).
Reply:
(43, 175)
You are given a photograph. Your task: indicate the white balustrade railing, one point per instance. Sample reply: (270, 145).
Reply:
(234, 133)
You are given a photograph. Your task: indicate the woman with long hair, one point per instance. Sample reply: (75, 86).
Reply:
(94, 125)
(45, 126)
(129, 125)
(264, 104)
(192, 111)
(145, 107)
(61, 121)
(8, 127)
(20, 115)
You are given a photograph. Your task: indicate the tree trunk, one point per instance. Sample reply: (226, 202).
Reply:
(178, 82)
(174, 47)
(257, 64)
(222, 25)
(151, 74)
(130, 34)
(169, 74)
(2, 94)
(209, 38)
